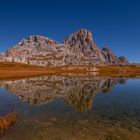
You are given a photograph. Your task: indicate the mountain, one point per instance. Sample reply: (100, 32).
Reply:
(82, 49)
(78, 49)
(37, 50)
(110, 57)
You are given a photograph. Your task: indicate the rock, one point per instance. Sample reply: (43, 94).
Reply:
(82, 39)
(109, 56)
(123, 60)
(37, 50)
(2, 56)
(83, 49)
(112, 59)
(78, 49)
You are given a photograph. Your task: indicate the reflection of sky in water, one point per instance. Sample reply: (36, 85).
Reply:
(7, 101)
(10, 103)
(117, 110)
(121, 101)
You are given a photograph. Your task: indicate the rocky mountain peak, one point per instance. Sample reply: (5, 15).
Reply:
(109, 56)
(123, 60)
(39, 38)
(112, 59)
(106, 49)
(78, 49)
(82, 39)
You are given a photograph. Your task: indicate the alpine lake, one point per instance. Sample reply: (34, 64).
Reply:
(71, 108)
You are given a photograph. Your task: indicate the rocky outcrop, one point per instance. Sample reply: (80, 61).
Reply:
(37, 50)
(82, 39)
(123, 60)
(83, 49)
(109, 56)
(112, 59)
(2, 56)
(78, 49)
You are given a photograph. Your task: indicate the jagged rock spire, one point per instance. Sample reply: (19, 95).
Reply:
(112, 59)
(82, 39)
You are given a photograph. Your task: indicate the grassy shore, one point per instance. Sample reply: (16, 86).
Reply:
(17, 70)
(119, 71)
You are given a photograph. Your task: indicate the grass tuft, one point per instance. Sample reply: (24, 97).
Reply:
(6, 122)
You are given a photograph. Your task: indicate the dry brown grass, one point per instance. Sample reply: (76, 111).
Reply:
(18, 70)
(119, 71)
(6, 122)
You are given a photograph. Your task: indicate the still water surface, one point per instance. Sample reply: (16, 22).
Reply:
(72, 108)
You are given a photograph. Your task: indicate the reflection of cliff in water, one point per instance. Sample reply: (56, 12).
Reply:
(79, 92)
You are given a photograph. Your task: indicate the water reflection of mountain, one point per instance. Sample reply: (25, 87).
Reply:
(79, 92)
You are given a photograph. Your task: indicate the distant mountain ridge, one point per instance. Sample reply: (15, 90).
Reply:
(78, 49)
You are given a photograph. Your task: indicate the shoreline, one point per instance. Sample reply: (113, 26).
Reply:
(18, 71)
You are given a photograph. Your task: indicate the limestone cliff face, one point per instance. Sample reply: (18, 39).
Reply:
(78, 49)
(110, 57)
(123, 60)
(2, 56)
(83, 49)
(37, 50)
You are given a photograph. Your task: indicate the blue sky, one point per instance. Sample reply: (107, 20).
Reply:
(112, 22)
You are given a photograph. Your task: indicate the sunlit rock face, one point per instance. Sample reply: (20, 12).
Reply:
(78, 49)
(83, 49)
(110, 57)
(2, 56)
(79, 92)
(37, 50)
(123, 60)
